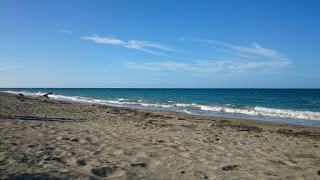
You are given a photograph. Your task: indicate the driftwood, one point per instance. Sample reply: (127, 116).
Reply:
(46, 95)
(21, 97)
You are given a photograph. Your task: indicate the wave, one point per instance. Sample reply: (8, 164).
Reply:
(118, 101)
(257, 111)
(189, 108)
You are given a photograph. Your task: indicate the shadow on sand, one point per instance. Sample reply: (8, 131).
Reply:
(36, 176)
(46, 119)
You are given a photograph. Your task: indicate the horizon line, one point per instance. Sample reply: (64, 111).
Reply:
(152, 88)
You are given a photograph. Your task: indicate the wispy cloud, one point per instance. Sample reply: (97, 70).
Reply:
(140, 45)
(197, 67)
(243, 58)
(65, 31)
(254, 49)
(7, 66)
(205, 66)
(235, 59)
(105, 40)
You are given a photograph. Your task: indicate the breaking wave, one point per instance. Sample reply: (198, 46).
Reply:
(257, 111)
(188, 108)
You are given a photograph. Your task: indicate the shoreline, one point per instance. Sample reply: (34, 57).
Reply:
(61, 139)
(281, 120)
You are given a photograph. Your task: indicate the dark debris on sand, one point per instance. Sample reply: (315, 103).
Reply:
(230, 167)
(301, 134)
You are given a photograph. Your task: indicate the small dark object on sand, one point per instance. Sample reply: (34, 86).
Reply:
(230, 167)
(138, 164)
(21, 97)
(103, 171)
(46, 95)
(81, 162)
(318, 172)
(74, 139)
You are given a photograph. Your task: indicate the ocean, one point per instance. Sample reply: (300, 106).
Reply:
(293, 106)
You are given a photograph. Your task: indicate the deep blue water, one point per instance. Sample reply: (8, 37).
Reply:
(297, 106)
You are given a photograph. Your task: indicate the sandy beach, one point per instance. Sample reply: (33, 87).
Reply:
(49, 139)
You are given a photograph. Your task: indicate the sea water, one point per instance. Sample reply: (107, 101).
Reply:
(295, 106)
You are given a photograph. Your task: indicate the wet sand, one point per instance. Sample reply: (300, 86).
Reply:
(49, 139)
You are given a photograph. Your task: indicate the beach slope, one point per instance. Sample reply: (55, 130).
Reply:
(49, 139)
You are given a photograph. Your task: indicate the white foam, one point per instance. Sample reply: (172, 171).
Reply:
(193, 105)
(155, 105)
(263, 111)
(119, 101)
(256, 111)
(188, 112)
(288, 113)
(122, 99)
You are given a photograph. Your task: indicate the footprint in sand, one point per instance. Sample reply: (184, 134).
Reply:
(81, 162)
(102, 171)
(107, 171)
(200, 175)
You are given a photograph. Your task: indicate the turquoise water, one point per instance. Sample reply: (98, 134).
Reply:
(296, 106)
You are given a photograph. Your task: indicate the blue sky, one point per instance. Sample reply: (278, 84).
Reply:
(194, 44)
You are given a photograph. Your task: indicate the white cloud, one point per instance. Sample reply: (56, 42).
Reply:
(254, 49)
(236, 59)
(245, 58)
(3, 66)
(205, 66)
(105, 40)
(7, 67)
(198, 67)
(65, 31)
(140, 45)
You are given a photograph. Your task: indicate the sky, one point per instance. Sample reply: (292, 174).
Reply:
(160, 44)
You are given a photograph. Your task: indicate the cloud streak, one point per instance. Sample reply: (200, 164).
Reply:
(203, 66)
(245, 58)
(65, 31)
(237, 59)
(140, 45)
(198, 67)
(254, 49)
(7, 67)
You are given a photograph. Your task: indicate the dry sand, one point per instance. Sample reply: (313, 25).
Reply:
(43, 139)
